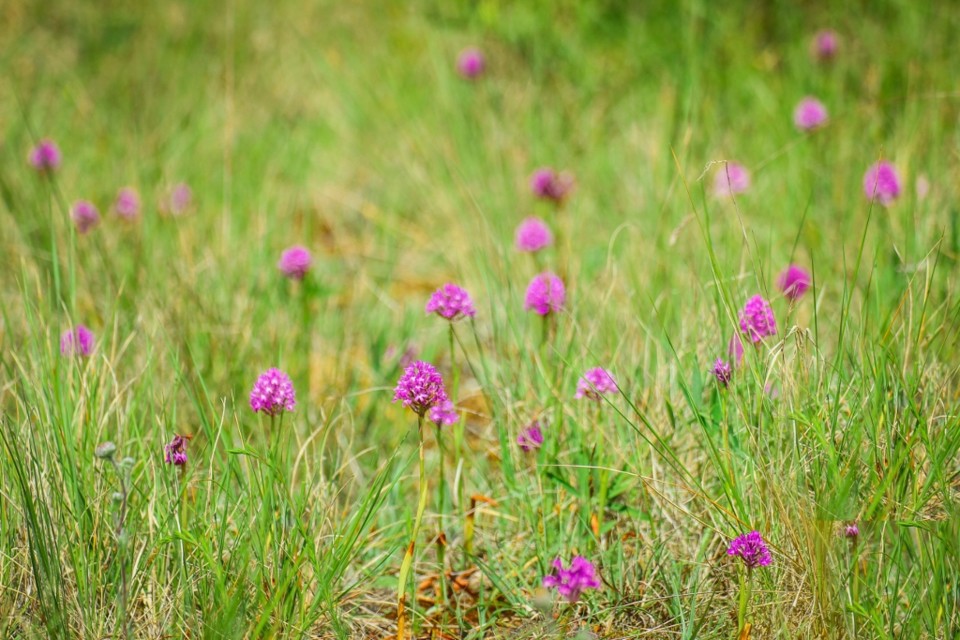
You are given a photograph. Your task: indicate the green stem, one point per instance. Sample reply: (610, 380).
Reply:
(745, 586)
(407, 565)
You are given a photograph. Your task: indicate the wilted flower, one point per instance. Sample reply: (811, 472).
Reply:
(547, 184)
(752, 550)
(470, 63)
(533, 234)
(531, 438)
(45, 157)
(735, 349)
(730, 179)
(824, 45)
(756, 319)
(794, 282)
(545, 294)
(722, 371)
(881, 183)
(569, 583)
(85, 215)
(420, 388)
(77, 342)
(273, 393)
(175, 453)
(809, 114)
(444, 414)
(295, 262)
(105, 450)
(127, 204)
(451, 302)
(594, 383)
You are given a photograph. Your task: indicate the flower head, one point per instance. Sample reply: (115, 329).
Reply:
(175, 453)
(722, 371)
(809, 114)
(824, 45)
(531, 438)
(735, 349)
(594, 383)
(794, 282)
(752, 550)
(420, 388)
(85, 215)
(533, 234)
(77, 342)
(545, 294)
(730, 179)
(451, 302)
(273, 393)
(470, 63)
(444, 414)
(127, 204)
(569, 583)
(295, 262)
(881, 183)
(756, 319)
(45, 157)
(851, 531)
(547, 184)
(179, 199)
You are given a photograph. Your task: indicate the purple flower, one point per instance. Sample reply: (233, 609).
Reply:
(752, 550)
(273, 393)
(420, 388)
(594, 383)
(77, 342)
(547, 184)
(531, 438)
(470, 63)
(533, 234)
(794, 282)
(570, 582)
(881, 183)
(923, 187)
(444, 414)
(127, 204)
(756, 319)
(545, 294)
(84, 215)
(730, 179)
(722, 371)
(295, 262)
(175, 453)
(180, 199)
(45, 157)
(824, 45)
(735, 349)
(451, 302)
(851, 531)
(809, 114)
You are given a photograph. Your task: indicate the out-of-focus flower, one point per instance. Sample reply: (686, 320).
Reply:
(794, 281)
(545, 294)
(533, 234)
(809, 114)
(127, 204)
(547, 184)
(85, 215)
(45, 157)
(824, 45)
(175, 452)
(295, 262)
(751, 549)
(594, 383)
(444, 414)
(531, 437)
(77, 342)
(756, 319)
(722, 371)
(420, 388)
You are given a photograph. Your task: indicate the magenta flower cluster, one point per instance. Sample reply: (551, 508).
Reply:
(77, 342)
(824, 45)
(571, 582)
(444, 414)
(722, 371)
(273, 393)
(881, 183)
(470, 63)
(451, 302)
(45, 157)
(794, 281)
(85, 216)
(595, 383)
(756, 319)
(547, 184)
(295, 262)
(420, 388)
(731, 179)
(531, 437)
(175, 452)
(810, 114)
(532, 235)
(545, 294)
(751, 549)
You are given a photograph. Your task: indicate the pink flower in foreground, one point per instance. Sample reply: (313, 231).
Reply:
(533, 234)
(722, 371)
(570, 583)
(295, 262)
(545, 294)
(756, 319)
(824, 45)
(881, 183)
(451, 302)
(175, 453)
(420, 388)
(595, 383)
(794, 282)
(752, 549)
(809, 114)
(273, 393)
(730, 179)
(470, 63)
(77, 342)
(444, 414)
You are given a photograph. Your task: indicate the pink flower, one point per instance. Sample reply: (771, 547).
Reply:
(824, 45)
(444, 414)
(730, 179)
(45, 157)
(809, 114)
(881, 183)
(569, 583)
(594, 383)
(451, 302)
(85, 215)
(545, 294)
(547, 184)
(794, 282)
(295, 262)
(756, 319)
(127, 204)
(752, 549)
(470, 63)
(533, 234)
(273, 393)
(77, 342)
(420, 388)
(722, 371)
(179, 200)
(531, 438)
(175, 453)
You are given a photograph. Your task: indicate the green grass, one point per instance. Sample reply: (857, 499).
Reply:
(344, 127)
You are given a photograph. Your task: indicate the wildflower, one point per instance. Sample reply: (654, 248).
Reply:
(127, 204)
(470, 63)
(420, 388)
(730, 179)
(273, 393)
(545, 294)
(881, 183)
(569, 583)
(752, 550)
(77, 342)
(451, 303)
(851, 531)
(824, 45)
(794, 282)
(531, 438)
(444, 414)
(105, 450)
(533, 234)
(735, 349)
(180, 199)
(295, 262)
(809, 114)
(594, 383)
(547, 184)
(45, 157)
(756, 319)
(923, 187)
(175, 453)
(85, 215)
(722, 371)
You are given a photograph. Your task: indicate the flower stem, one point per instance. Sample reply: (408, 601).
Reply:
(407, 565)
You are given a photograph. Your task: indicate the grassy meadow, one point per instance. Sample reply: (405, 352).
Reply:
(345, 127)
